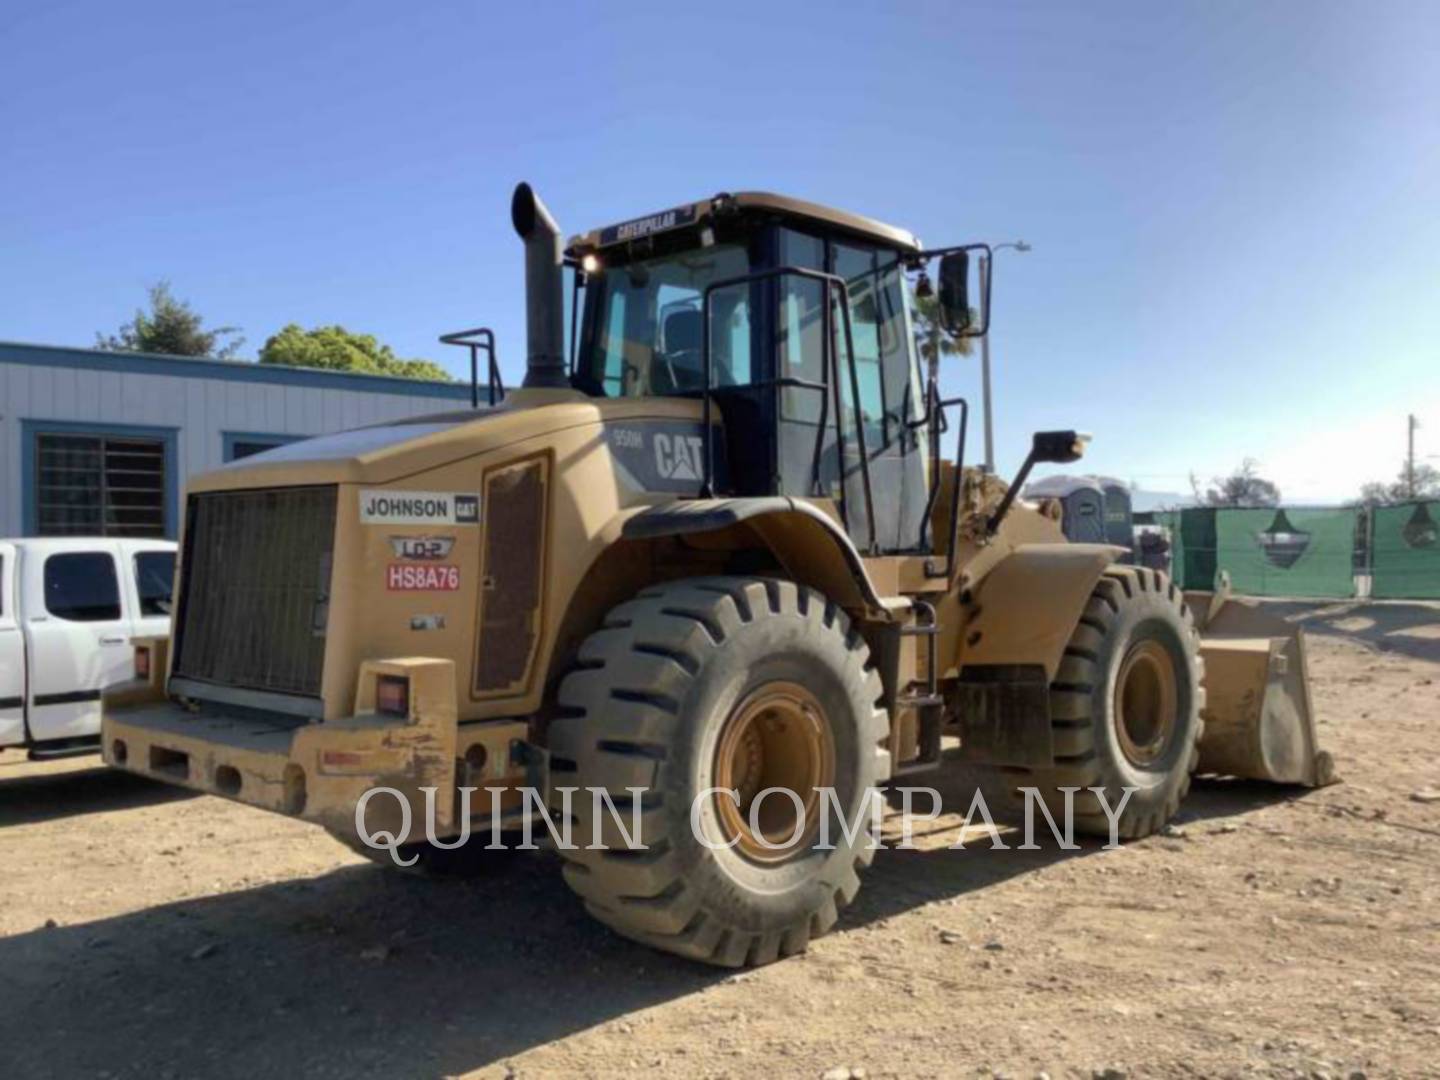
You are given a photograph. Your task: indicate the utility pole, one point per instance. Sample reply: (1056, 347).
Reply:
(1409, 456)
(985, 367)
(1021, 246)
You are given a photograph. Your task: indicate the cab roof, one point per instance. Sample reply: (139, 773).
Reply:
(692, 214)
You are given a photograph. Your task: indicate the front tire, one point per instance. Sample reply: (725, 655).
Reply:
(739, 683)
(1125, 706)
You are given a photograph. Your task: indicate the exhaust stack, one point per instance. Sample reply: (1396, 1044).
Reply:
(544, 290)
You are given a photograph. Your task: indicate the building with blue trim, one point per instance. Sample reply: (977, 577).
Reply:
(100, 443)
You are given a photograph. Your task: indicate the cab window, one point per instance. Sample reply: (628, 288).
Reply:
(650, 322)
(889, 381)
(884, 364)
(800, 326)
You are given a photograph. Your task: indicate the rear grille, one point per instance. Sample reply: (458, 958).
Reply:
(513, 580)
(255, 589)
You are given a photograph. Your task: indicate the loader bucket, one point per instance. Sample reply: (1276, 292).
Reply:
(1259, 721)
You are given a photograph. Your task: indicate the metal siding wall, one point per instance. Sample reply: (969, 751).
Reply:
(15, 403)
(201, 408)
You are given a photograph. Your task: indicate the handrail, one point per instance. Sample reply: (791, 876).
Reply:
(487, 342)
(832, 283)
(817, 490)
(938, 406)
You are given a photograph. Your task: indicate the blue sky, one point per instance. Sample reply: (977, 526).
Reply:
(1233, 206)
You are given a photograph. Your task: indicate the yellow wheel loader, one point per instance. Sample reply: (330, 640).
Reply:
(698, 588)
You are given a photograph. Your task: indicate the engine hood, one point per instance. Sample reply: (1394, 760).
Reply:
(387, 453)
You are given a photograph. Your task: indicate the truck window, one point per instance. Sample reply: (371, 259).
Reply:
(650, 325)
(154, 575)
(81, 587)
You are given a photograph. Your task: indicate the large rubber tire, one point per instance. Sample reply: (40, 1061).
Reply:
(1132, 612)
(653, 690)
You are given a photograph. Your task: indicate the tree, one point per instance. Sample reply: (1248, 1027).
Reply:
(171, 326)
(1243, 487)
(928, 332)
(1427, 486)
(337, 349)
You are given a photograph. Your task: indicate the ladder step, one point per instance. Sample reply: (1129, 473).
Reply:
(920, 701)
(917, 630)
(919, 765)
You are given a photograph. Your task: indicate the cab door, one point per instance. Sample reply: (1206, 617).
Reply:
(77, 631)
(12, 655)
(889, 414)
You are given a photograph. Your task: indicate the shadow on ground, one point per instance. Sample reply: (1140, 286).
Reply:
(43, 796)
(363, 971)
(1411, 629)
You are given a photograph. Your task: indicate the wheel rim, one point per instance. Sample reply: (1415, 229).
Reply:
(1145, 702)
(776, 737)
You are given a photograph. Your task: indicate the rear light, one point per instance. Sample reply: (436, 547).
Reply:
(142, 662)
(392, 695)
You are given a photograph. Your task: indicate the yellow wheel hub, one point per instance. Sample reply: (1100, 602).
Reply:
(1146, 703)
(776, 737)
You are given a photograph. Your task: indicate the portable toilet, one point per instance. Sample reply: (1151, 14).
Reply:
(1119, 516)
(1082, 503)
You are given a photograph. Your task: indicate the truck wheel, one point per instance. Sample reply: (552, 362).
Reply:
(737, 683)
(1125, 705)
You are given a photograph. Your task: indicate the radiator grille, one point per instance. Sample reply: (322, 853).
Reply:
(255, 588)
(514, 515)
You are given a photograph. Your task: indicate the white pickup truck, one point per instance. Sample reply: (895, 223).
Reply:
(68, 609)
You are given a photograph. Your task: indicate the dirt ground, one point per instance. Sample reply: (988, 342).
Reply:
(148, 933)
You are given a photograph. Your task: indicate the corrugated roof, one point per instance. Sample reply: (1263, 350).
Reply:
(200, 367)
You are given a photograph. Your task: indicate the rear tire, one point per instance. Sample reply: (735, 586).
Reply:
(733, 682)
(1125, 706)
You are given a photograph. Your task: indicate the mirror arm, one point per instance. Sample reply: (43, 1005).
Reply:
(1010, 494)
(1056, 447)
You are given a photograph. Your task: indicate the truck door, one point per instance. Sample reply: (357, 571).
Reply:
(77, 633)
(12, 655)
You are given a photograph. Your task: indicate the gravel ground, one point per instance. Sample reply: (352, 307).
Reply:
(148, 933)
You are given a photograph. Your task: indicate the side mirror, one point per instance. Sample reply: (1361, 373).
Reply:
(1053, 447)
(1058, 447)
(955, 292)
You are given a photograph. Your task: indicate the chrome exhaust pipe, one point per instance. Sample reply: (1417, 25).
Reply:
(544, 290)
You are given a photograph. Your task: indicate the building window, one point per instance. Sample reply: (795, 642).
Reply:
(243, 444)
(82, 587)
(100, 485)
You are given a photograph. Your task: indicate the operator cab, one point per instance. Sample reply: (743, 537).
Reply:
(785, 368)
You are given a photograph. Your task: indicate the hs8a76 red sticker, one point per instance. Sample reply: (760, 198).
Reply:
(422, 577)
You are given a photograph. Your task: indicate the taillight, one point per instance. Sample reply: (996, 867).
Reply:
(392, 695)
(142, 661)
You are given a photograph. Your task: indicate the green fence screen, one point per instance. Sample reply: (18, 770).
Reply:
(1195, 549)
(1405, 551)
(1269, 552)
(1283, 552)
